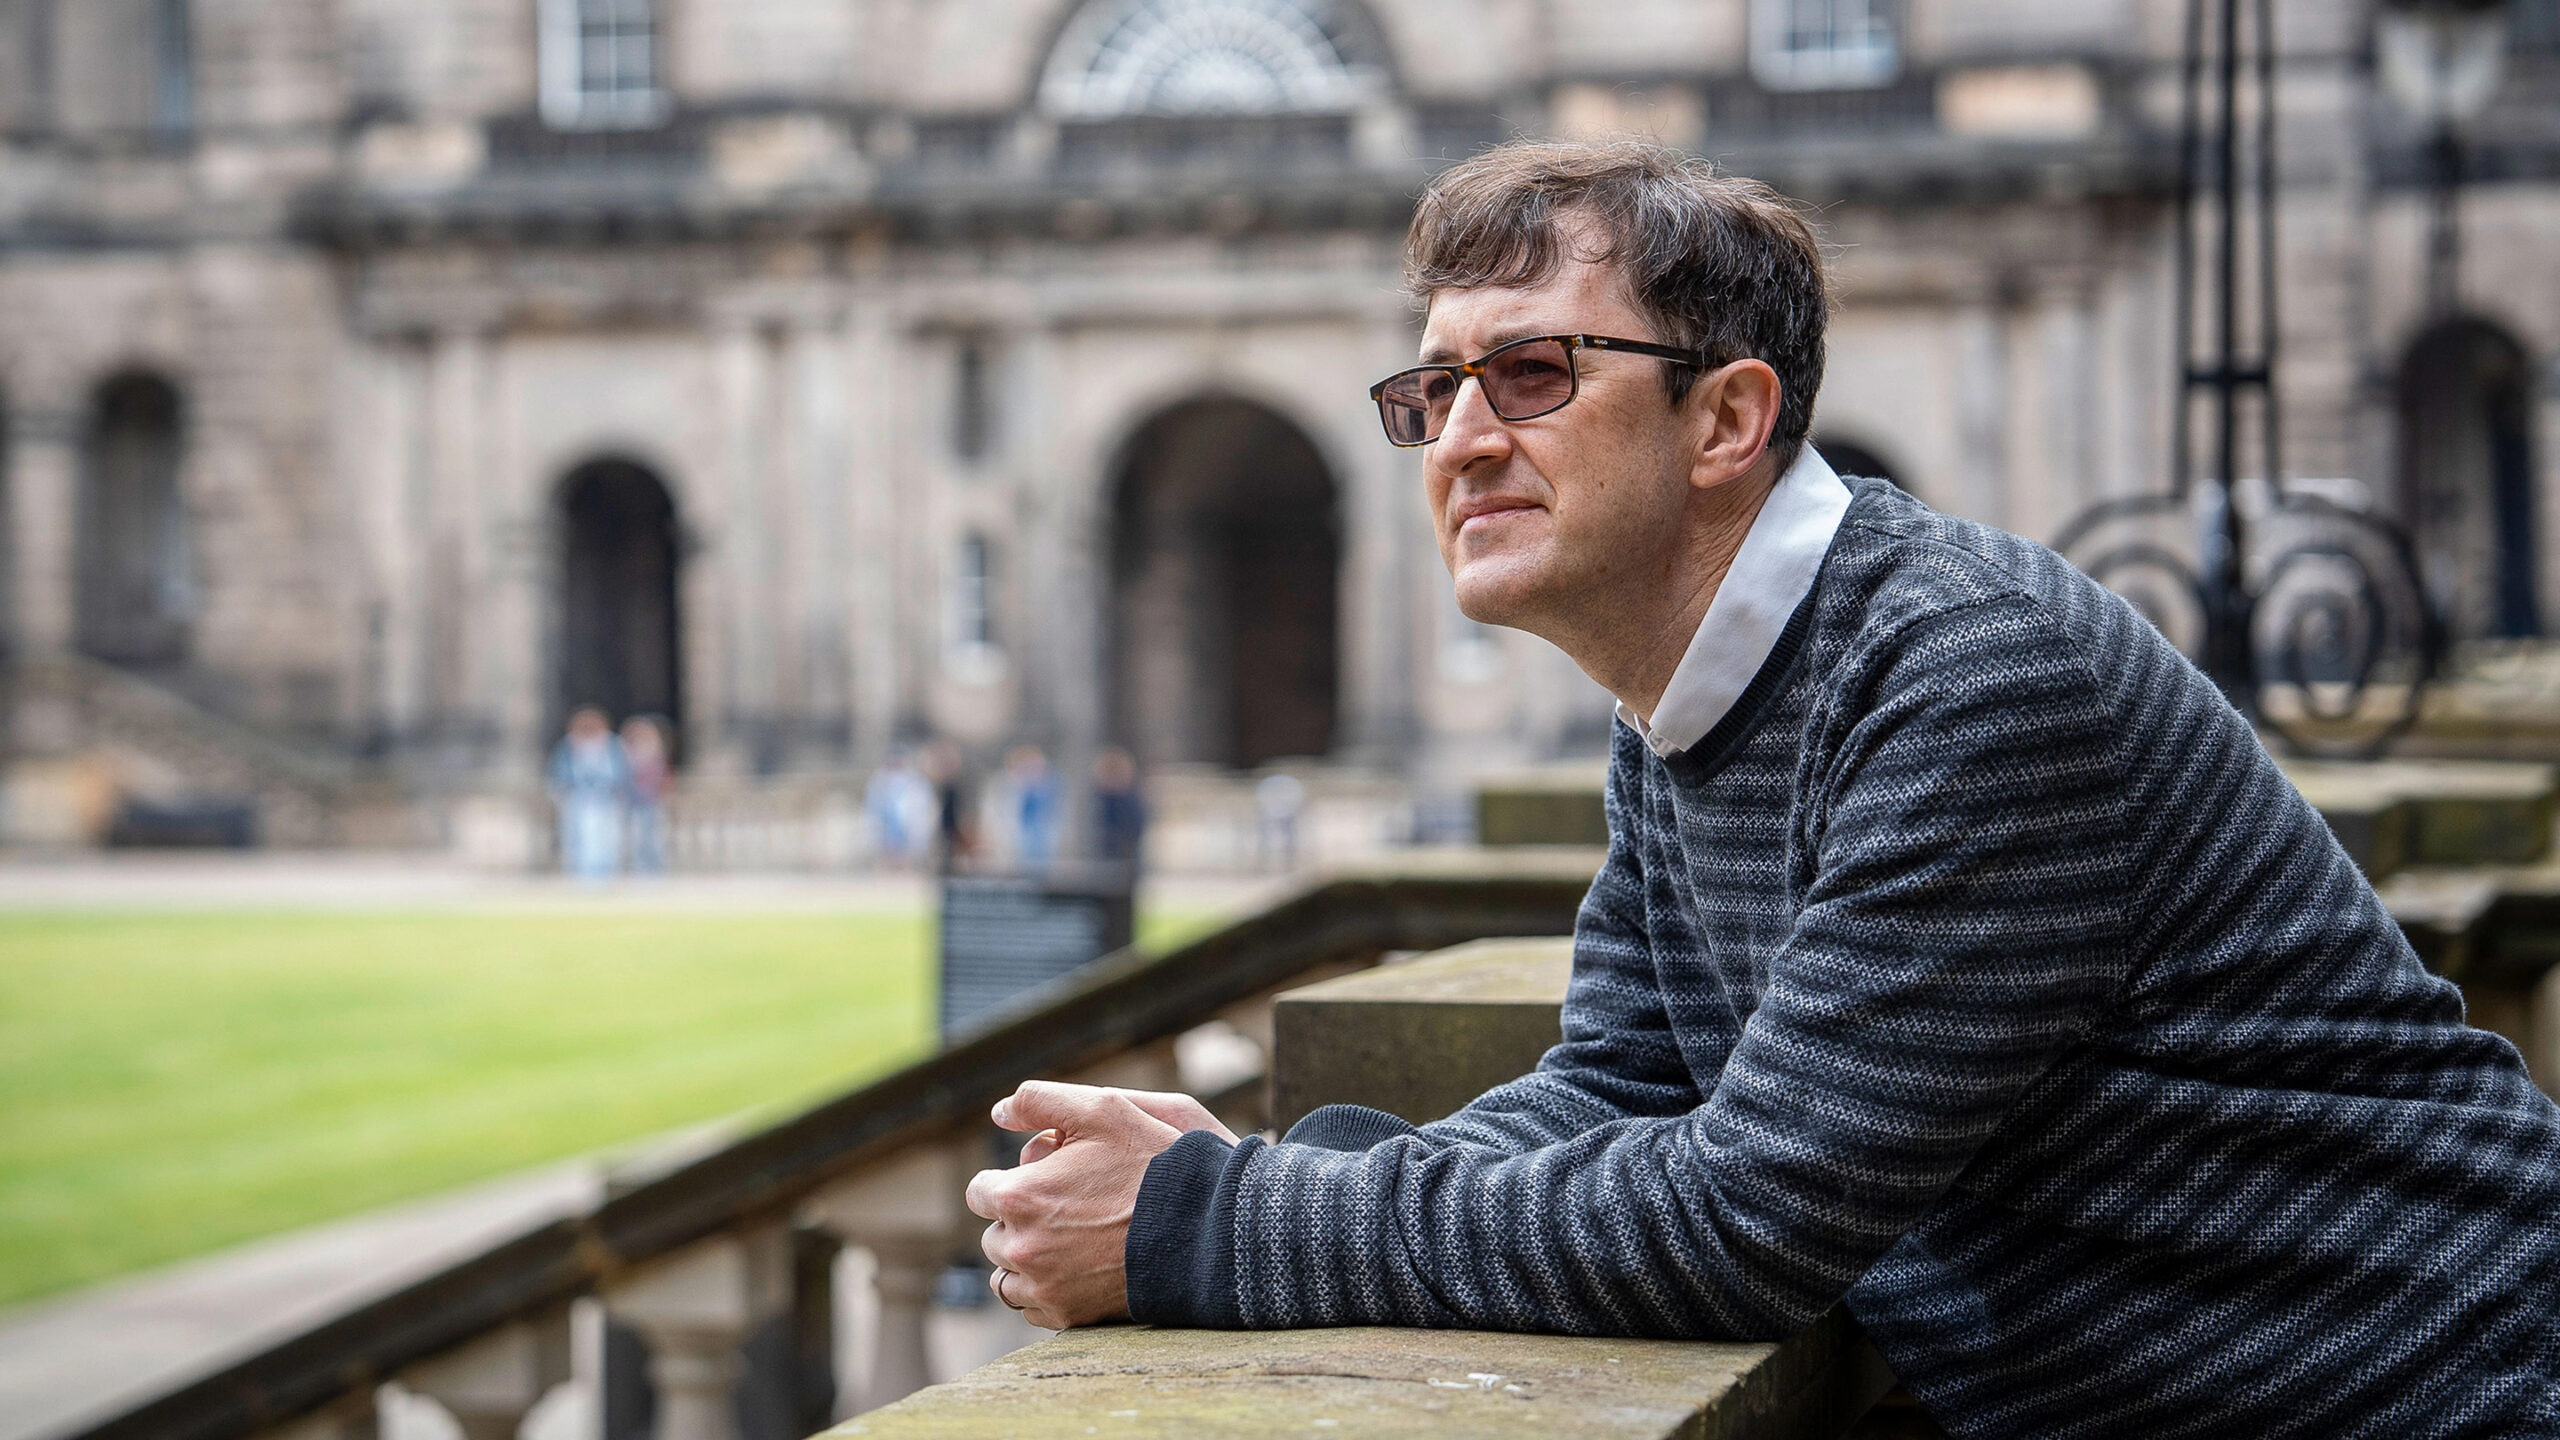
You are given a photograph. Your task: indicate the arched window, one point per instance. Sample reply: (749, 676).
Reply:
(1205, 57)
(135, 589)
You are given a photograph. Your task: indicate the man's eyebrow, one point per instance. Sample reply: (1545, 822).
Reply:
(1441, 354)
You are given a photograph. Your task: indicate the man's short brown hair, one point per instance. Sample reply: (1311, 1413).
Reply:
(1724, 265)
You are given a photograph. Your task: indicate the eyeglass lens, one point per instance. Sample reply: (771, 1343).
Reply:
(1521, 382)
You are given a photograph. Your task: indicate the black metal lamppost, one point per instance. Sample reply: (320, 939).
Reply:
(2440, 61)
(2304, 609)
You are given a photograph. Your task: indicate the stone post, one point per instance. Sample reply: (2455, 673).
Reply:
(491, 1384)
(907, 1211)
(697, 1309)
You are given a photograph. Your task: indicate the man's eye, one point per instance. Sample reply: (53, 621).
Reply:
(1439, 385)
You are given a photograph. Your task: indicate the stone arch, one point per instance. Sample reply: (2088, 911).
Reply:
(1226, 555)
(2466, 487)
(620, 631)
(134, 584)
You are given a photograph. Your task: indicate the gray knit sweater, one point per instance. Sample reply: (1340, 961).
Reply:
(1981, 970)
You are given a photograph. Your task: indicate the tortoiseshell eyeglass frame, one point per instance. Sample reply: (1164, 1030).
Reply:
(1459, 373)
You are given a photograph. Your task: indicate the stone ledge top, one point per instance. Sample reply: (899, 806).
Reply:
(1532, 971)
(2341, 784)
(1138, 1381)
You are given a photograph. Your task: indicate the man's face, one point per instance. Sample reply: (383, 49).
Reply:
(1539, 517)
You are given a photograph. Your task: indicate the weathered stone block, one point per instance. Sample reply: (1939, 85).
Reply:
(1139, 1381)
(1557, 805)
(1422, 1038)
(2433, 812)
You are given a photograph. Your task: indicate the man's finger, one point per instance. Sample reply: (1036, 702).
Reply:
(1179, 1111)
(1078, 1110)
(1040, 1146)
(1047, 1105)
(997, 1244)
(987, 1189)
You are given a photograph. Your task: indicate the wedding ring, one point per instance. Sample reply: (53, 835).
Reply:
(1002, 1274)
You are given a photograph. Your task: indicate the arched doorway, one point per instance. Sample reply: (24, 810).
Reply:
(2466, 476)
(618, 621)
(134, 586)
(1226, 557)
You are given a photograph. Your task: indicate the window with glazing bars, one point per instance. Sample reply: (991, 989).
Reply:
(600, 64)
(1823, 44)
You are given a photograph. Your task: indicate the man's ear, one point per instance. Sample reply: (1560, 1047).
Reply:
(1736, 407)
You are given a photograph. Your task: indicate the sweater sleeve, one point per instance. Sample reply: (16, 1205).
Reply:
(1961, 925)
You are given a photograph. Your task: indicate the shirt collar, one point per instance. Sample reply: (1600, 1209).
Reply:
(1767, 580)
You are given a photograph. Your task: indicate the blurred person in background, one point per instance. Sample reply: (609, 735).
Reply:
(1119, 810)
(1031, 786)
(1277, 801)
(644, 747)
(590, 782)
(903, 809)
(954, 838)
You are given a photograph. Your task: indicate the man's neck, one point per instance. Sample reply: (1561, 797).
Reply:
(1635, 655)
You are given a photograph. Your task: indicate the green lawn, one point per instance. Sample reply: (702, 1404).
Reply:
(175, 1082)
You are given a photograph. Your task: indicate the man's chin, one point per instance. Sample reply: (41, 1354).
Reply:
(1503, 598)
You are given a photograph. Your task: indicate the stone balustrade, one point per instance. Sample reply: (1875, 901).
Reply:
(698, 1299)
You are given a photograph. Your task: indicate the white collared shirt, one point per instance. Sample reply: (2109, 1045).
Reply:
(1767, 580)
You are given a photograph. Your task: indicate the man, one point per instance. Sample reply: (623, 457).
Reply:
(1959, 953)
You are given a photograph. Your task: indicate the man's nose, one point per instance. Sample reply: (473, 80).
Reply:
(1472, 430)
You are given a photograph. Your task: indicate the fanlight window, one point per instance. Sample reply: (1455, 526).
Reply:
(1823, 44)
(1204, 57)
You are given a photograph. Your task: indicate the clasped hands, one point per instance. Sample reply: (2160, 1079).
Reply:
(1060, 1235)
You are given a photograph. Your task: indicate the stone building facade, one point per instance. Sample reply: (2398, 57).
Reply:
(382, 377)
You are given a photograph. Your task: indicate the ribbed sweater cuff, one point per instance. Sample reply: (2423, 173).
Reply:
(1181, 1252)
(1347, 1127)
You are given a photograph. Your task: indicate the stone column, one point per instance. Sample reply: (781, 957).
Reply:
(43, 526)
(821, 645)
(697, 1309)
(1981, 489)
(1385, 531)
(907, 1211)
(873, 524)
(491, 1384)
(457, 558)
(741, 648)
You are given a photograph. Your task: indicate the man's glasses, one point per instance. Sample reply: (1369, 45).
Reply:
(1521, 381)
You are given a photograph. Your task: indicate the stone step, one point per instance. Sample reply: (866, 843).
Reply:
(2392, 814)
(1544, 805)
(2389, 814)
(1422, 1037)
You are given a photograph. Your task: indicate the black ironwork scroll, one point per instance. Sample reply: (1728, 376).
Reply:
(2298, 599)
